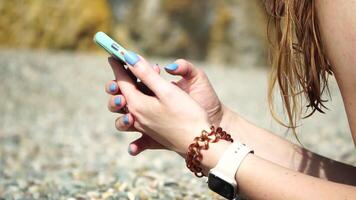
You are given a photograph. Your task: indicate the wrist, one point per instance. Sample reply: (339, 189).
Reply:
(234, 124)
(205, 150)
(227, 117)
(213, 154)
(228, 120)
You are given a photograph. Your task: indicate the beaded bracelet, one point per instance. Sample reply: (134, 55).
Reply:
(194, 157)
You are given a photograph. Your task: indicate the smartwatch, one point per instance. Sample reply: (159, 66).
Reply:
(221, 178)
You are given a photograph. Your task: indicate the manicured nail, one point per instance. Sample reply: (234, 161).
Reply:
(117, 101)
(126, 119)
(131, 57)
(112, 87)
(172, 66)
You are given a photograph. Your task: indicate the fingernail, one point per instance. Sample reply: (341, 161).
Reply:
(126, 119)
(131, 57)
(112, 87)
(117, 101)
(129, 150)
(172, 66)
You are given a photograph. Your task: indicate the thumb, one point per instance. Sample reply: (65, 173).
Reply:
(183, 68)
(148, 75)
(143, 143)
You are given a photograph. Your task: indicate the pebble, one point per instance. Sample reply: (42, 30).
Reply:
(122, 187)
(121, 196)
(22, 184)
(108, 193)
(131, 196)
(35, 195)
(93, 194)
(170, 184)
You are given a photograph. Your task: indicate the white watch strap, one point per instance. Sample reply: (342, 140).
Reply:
(231, 160)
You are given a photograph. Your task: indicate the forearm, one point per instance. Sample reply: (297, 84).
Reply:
(261, 179)
(284, 153)
(258, 178)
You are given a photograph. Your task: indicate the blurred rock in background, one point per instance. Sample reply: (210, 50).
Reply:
(216, 31)
(54, 24)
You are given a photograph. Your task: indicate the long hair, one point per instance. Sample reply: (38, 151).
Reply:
(299, 63)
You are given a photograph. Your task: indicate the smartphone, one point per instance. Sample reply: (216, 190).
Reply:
(112, 47)
(118, 52)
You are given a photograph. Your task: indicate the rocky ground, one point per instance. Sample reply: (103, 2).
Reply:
(58, 141)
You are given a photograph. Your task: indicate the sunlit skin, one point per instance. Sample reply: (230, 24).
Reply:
(278, 169)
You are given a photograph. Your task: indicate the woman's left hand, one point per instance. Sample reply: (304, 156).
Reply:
(171, 117)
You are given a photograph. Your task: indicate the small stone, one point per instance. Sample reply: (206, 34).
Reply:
(170, 184)
(110, 190)
(18, 196)
(93, 194)
(80, 197)
(22, 184)
(143, 196)
(13, 189)
(33, 189)
(121, 196)
(131, 196)
(122, 187)
(109, 193)
(36, 195)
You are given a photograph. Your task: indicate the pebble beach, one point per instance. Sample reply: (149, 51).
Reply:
(58, 139)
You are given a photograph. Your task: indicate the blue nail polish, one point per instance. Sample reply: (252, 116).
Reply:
(131, 57)
(126, 119)
(172, 66)
(129, 150)
(112, 87)
(117, 101)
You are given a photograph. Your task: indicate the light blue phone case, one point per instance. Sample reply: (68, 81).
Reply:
(110, 45)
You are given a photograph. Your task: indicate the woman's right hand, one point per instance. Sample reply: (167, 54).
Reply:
(194, 82)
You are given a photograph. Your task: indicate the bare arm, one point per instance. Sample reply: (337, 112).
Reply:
(286, 154)
(338, 28)
(259, 178)
(275, 182)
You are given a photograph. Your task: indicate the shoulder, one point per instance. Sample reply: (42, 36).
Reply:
(337, 21)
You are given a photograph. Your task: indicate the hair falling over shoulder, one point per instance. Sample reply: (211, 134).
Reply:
(299, 63)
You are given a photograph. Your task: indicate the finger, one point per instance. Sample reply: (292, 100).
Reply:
(123, 123)
(116, 103)
(143, 88)
(123, 110)
(143, 143)
(131, 129)
(133, 77)
(143, 70)
(174, 83)
(126, 84)
(182, 68)
(112, 88)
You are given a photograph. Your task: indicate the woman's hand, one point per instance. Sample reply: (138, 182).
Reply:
(194, 82)
(172, 117)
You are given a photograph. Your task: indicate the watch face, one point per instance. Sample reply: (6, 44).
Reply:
(221, 187)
